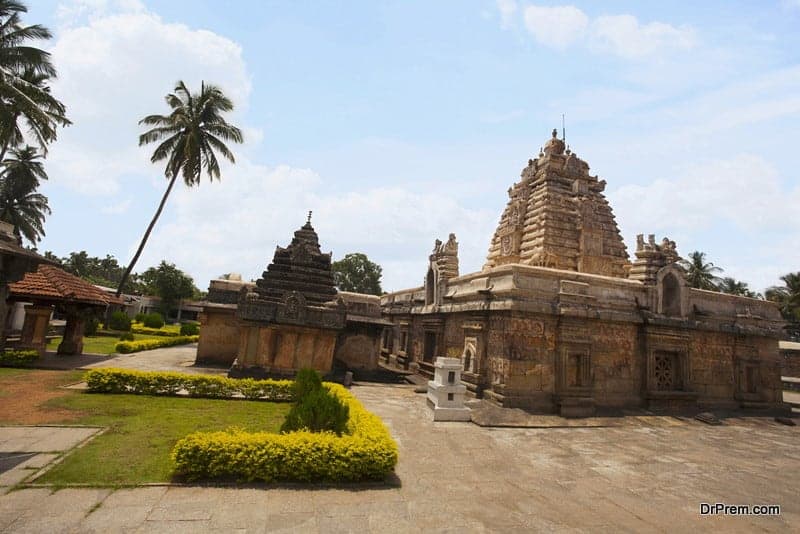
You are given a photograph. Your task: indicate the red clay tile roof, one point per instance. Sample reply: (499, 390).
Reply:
(53, 284)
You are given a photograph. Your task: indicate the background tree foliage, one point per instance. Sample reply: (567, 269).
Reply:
(169, 283)
(101, 271)
(356, 273)
(787, 297)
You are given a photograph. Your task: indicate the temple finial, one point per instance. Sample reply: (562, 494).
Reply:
(309, 217)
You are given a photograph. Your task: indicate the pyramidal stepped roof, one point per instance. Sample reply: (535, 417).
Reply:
(300, 267)
(558, 217)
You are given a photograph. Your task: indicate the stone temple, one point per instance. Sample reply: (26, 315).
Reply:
(560, 319)
(291, 318)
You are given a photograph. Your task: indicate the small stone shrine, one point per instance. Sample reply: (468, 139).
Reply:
(561, 320)
(446, 392)
(291, 317)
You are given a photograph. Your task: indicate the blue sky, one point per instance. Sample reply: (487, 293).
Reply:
(400, 122)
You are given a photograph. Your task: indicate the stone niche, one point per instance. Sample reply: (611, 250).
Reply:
(291, 317)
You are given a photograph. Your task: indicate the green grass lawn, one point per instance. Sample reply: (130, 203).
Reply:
(141, 432)
(100, 344)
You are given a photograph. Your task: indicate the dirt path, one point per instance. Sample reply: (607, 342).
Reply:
(22, 397)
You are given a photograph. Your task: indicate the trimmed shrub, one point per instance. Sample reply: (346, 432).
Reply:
(169, 383)
(317, 411)
(18, 358)
(190, 329)
(154, 331)
(153, 320)
(365, 451)
(120, 321)
(306, 381)
(127, 336)
(139, 317)
(126, 347)
(90, 326)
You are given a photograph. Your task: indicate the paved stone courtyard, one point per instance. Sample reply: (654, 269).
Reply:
(650, 475)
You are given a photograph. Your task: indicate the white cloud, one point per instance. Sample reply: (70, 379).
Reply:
(739, 211)
(626, 37)
(235, 224)
(744, 193)
(507, 8)
(622, 35)
(556, 27)
(114, 68)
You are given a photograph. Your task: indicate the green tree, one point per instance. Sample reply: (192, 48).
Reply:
(20, 204)
(189, 137)
(170, 284)
(699, 273)
(356, 273)
(102, 271)
(24, 74)
(787, 297)
(736, 287)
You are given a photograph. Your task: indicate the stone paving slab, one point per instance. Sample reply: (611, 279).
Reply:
(48, 441)
(42, 438)
(180, 358)
(458, 477)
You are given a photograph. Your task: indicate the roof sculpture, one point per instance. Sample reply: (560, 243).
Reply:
(558, 217)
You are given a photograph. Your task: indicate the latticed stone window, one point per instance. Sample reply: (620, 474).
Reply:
(667, 371)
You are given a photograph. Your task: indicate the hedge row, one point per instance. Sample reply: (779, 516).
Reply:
(126, 347)
(366, 452)
(169, 383)
(18, 358)
(139, 329)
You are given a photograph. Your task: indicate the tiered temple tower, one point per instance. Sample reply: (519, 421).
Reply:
(291, 318)
(300, 267)
(558, 217)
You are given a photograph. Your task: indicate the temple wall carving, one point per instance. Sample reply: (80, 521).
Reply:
(560, 320)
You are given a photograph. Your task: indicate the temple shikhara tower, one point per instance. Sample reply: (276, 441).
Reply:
(558, 217)
(561, 319)
(291, 318)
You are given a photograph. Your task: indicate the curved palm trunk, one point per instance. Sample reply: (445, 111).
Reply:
(128, 269)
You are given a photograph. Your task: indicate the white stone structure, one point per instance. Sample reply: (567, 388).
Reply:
(446, 392)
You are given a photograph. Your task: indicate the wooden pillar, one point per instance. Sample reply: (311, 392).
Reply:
(34, 331)
(73, 333)
(4, 314)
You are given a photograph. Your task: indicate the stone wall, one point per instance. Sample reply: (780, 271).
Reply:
(538, 338)
(219, 335)
(357, 348)
(790, 359)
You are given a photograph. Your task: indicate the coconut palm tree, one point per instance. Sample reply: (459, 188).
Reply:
(736, 287)
(20, 204)
(24, 73)
(787, 296)
(700, 274)
(189, 138)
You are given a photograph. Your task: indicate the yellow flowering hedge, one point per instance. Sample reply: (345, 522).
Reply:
(126, 347)
(137, 328)
(170, 383)
(365, 452)
(18, 358)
